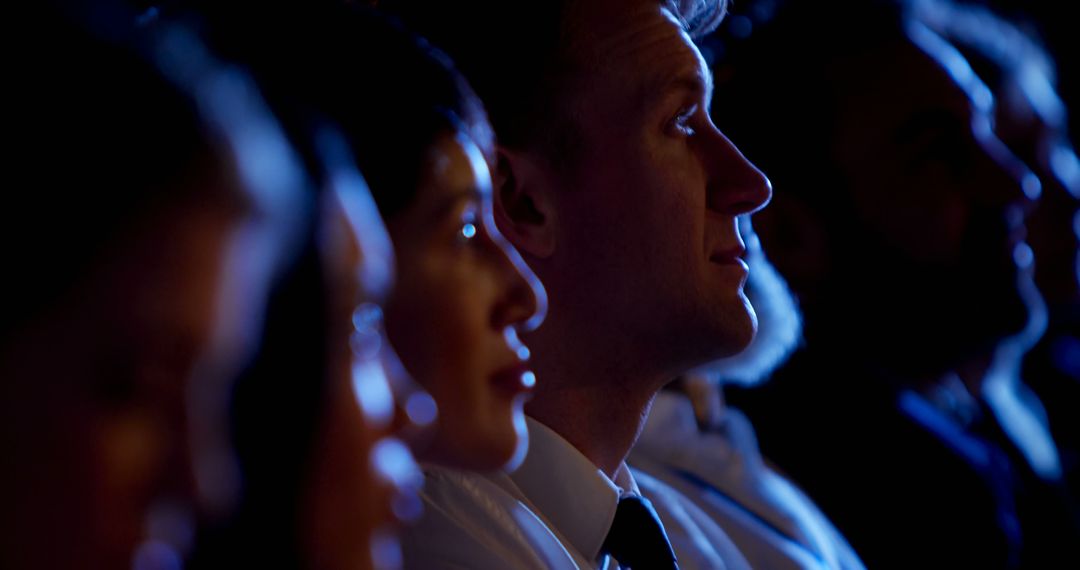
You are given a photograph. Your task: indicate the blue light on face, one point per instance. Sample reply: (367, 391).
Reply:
(1032, 186)
(394, 464)
(468, 231)
(385, 551)
(1066, 166)
(421, 408)
(156, 555)
(1023, 255)
(515, 344)
(366, 338)
(170, 533)
(372, 391)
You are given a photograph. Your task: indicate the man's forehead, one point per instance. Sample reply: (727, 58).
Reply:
(642, 38)
(619, 29)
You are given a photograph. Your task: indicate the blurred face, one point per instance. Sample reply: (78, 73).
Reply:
(1030, 120)
(117, 394)
(647, 248)
(461, 292)
(939, 206)
(363, 480)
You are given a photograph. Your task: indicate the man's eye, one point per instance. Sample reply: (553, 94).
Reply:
(680, 123)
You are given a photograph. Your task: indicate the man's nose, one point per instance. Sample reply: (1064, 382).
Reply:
(735, 185)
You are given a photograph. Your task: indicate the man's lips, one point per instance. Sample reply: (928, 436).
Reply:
(730, 256)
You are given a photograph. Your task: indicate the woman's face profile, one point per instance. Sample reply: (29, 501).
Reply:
(462, 291)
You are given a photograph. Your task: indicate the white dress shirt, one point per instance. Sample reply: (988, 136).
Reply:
(773, 524)
(554, 512)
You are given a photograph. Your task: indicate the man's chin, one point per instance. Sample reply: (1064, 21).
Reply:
(776, 317)
(732, 332)
(779, 333)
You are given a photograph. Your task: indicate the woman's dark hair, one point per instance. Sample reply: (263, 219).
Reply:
(275, 410)
(113, 122)
(389, 95)
(388, 91)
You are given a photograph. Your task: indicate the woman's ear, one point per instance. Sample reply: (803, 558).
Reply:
(523, 203)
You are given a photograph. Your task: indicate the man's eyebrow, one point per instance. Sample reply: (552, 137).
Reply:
(697, 82)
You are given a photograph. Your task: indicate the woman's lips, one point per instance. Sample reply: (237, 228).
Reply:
(515, 379)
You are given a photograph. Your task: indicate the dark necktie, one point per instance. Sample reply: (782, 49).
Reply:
(637, 539)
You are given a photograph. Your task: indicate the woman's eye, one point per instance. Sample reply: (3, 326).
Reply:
(468, 229)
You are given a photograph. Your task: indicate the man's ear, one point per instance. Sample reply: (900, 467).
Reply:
(523, 203)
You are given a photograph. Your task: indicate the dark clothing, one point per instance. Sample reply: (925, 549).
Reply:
(908, 485)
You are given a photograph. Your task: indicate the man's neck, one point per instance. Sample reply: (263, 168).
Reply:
(594, 384)
(602, 420)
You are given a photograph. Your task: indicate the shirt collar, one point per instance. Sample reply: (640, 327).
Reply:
(569, 491)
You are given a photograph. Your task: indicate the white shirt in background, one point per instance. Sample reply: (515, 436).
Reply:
(773, 523)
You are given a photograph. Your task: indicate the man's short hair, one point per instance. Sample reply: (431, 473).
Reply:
(518, 56)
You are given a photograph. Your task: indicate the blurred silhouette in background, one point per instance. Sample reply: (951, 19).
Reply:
(1032, 119)
(1049, 21)
(898, 222)
(137, 297)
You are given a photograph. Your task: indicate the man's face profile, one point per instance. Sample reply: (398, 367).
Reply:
(648, 211)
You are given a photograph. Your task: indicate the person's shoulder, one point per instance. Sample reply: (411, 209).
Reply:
(477, 521)
(468, 500)
(699, 542)
(454, 484)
